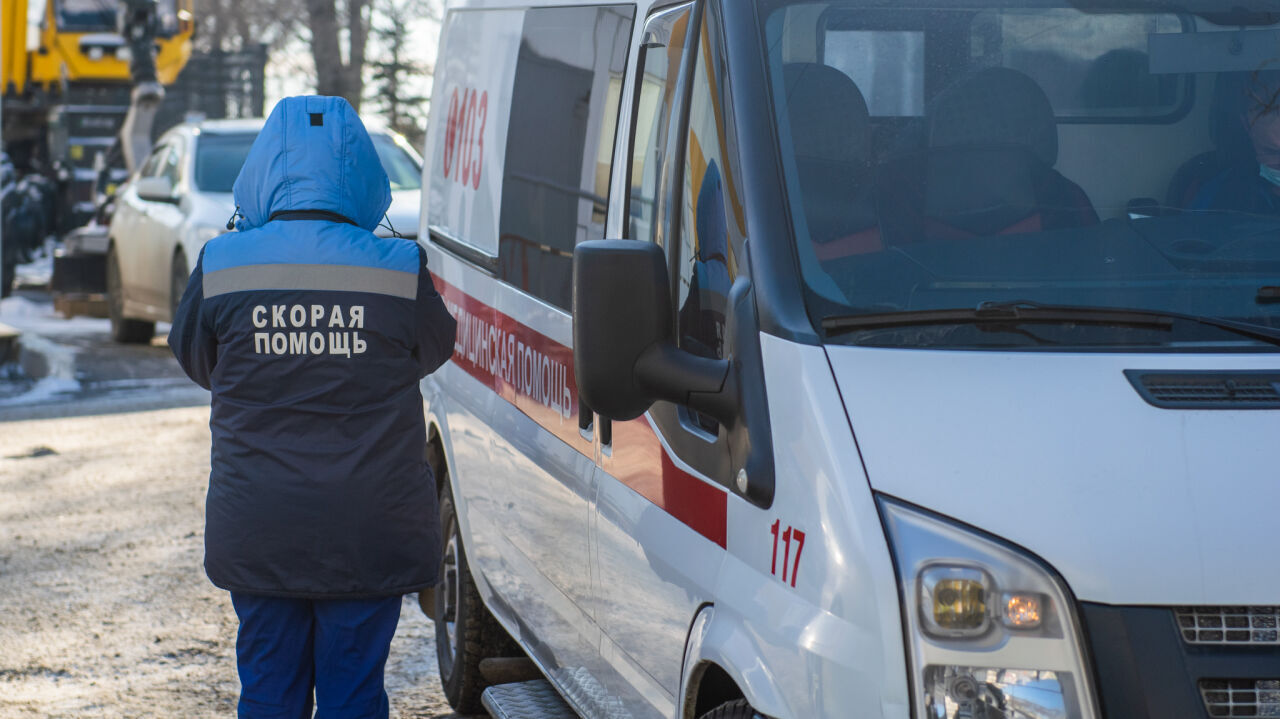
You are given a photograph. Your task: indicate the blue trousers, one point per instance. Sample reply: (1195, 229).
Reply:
(289, 647)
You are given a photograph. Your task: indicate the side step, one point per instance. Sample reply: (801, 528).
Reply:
(535, 699)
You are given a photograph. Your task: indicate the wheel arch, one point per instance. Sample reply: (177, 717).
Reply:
(709, 687)
(722, 662)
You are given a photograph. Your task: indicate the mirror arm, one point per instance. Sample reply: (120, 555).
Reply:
(669, 373)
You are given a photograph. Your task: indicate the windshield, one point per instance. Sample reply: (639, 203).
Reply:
(219, 159)
(402, 170)
(100, 15)
(944, 154)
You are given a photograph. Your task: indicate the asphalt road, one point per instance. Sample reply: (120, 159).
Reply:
(104, 462)
(70, 367)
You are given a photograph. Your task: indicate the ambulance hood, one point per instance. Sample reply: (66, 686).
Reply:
(1059, 454)
(313, 153)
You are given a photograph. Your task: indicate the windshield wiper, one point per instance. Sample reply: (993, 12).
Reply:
(1027, 311)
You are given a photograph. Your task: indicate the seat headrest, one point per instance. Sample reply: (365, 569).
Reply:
(829, 117)
(995, 107)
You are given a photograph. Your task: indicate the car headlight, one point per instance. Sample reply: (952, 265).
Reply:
(991, 631)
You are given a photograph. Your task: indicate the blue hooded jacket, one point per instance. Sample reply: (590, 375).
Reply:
(312, 334)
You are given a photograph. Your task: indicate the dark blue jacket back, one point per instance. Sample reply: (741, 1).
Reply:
(312, 334)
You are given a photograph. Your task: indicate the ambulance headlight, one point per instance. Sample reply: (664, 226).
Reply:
(991, 631)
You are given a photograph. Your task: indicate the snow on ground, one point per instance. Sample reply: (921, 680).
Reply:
(32, 316)
(107, 612)
(39, 271)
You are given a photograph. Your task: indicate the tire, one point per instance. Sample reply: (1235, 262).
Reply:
(178, 276)
(466, 633)
(739, 709)
(123, 329)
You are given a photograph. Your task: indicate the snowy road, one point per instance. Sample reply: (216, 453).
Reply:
(106, 611)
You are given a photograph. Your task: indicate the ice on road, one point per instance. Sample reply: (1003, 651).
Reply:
(106, 611)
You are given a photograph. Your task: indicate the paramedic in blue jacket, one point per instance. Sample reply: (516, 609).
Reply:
(312, 334)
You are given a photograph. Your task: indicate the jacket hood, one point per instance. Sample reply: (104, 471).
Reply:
(313, 153)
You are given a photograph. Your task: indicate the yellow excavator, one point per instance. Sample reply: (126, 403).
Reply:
(83, 41)
(82, 81)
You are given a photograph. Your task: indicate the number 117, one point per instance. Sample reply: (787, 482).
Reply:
(789, 534)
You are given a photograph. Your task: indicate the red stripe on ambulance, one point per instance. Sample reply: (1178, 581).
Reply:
(535, 373)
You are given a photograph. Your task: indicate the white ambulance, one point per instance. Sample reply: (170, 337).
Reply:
(852, 358)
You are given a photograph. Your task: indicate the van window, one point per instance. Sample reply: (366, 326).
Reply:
(1106, 157)
(895, 87)
(711, 214)
(1090, 66)
(659, 70)
(564, 113)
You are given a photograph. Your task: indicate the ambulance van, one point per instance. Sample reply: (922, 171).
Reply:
(857, 358)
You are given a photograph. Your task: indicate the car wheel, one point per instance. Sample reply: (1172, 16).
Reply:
(466, 632)
(122, 328)
(739, 709)
(178, 276)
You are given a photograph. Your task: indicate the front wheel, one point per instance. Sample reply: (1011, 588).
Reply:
(466, 632)
(122, 328)
(739, 709)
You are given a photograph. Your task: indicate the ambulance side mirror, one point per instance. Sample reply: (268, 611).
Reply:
(624, 352)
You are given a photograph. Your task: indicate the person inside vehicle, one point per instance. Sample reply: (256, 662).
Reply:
(312, 334)
(1250, 185)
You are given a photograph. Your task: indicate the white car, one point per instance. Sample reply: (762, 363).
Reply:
(181, 198)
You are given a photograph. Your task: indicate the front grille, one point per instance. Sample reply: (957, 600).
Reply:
(1229, 625)
(1208, 390)
(1241, 697)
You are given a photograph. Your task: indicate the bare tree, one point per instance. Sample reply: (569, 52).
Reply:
(237, 24)
(338, 35)
(336, 74)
